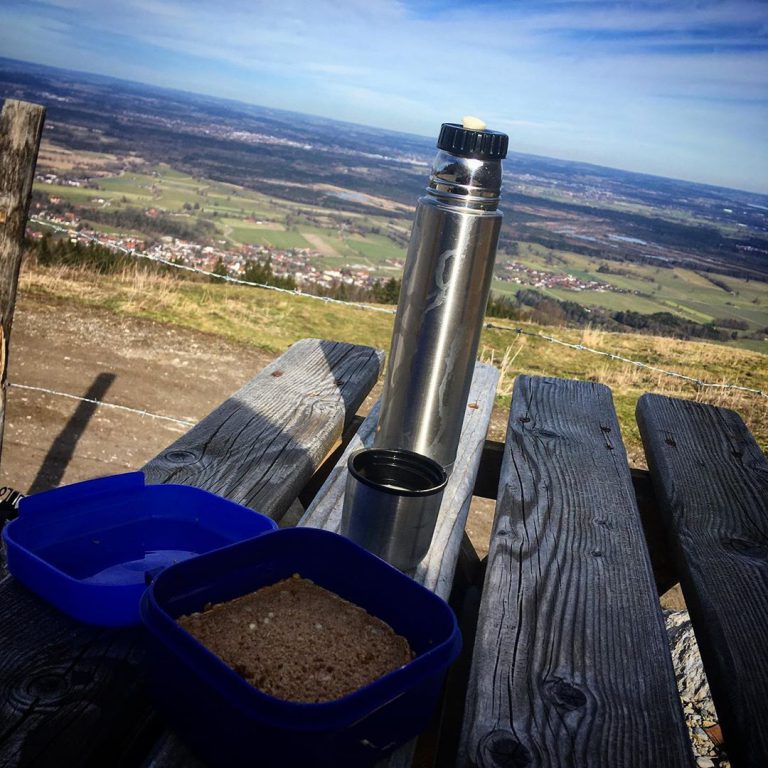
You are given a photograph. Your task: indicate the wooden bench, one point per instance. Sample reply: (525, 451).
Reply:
(571, 664)
(711, 481)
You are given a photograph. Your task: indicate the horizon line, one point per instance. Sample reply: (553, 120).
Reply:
(551, 158)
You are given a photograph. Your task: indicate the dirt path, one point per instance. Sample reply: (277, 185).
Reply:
(51, 440)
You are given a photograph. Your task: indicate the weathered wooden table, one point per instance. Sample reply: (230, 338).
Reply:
(567, 662)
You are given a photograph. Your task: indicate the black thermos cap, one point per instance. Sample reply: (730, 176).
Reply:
(469, 142)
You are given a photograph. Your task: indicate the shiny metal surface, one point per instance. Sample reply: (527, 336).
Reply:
(462, 181)
(445, 289)
(391, 503)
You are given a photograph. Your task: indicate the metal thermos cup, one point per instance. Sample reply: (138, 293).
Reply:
(443, 297)
(391, 503)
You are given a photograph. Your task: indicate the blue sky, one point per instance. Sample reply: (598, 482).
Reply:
(672, 88)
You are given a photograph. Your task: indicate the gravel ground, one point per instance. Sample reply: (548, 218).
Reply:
(698, 709)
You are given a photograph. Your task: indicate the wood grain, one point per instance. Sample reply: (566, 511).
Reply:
(21, 126)
(571, 665)
(437, 570)
(261, 446)
(74, 695)
(712, 483)
(69, 694)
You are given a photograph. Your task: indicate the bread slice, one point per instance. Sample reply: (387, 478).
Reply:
(299, 642)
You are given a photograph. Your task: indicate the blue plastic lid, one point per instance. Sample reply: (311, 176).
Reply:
(92, 548)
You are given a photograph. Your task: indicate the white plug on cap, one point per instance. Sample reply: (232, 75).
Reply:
(473, 123)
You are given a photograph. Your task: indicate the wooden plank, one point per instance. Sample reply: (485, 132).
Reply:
(261, 446)
(21, 126)
(74, 695)
(571, 664)
(69, 694)
(712, 482)
(437, 570)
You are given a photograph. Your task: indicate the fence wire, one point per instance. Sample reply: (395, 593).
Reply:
(374, 308)
(102, 403)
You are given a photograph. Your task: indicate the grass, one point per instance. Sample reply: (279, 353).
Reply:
(282, 239)
(78, 195)
(377, 248)
(273, 322)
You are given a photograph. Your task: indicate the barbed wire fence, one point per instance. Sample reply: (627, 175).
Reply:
(620, 358)
(128, 409)
(699, 383)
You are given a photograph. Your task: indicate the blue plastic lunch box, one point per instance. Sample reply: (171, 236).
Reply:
(231, 723)
(114, 551)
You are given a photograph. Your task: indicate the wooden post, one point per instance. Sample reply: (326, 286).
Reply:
(21, 126)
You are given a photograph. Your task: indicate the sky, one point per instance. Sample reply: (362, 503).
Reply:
(677, 88)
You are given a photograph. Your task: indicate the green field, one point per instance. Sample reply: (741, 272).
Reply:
(376, 248)
(651, 289)
(248, 217)
(281, 239)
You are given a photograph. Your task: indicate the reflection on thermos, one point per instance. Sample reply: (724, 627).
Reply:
(444, 294)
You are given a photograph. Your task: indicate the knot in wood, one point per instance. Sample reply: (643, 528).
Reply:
(746, 548)
(44, 689)
(564, 695)
(181, 456)
(502, 749)
(542, 432)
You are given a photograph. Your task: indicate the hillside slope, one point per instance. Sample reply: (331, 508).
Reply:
(270, 322)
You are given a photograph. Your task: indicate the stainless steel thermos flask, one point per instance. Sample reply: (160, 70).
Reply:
(443, 297)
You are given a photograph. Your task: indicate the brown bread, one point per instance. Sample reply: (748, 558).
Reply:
(299, 642)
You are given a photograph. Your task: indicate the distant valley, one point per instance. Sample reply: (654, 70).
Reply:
(222, 185)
